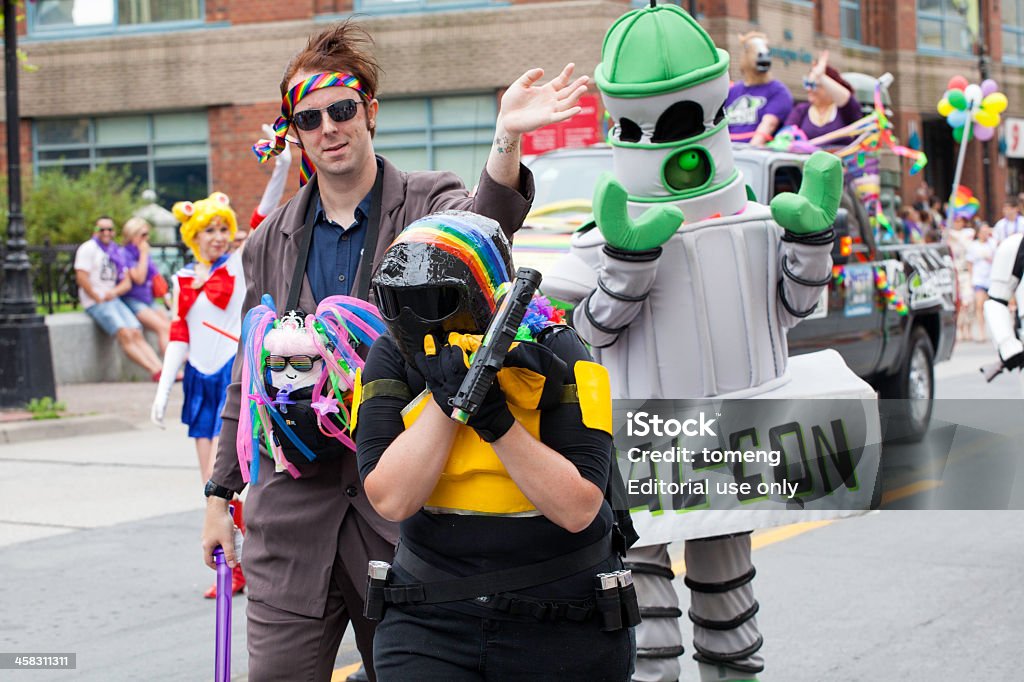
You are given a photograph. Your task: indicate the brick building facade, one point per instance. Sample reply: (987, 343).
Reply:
(178, 90)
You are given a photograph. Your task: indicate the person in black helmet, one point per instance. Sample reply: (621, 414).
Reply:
(521, 485)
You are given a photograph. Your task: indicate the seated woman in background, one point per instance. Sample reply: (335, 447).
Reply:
(142, 271)
(830, 103)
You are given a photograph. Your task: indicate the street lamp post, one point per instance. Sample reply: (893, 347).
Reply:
(26, 368)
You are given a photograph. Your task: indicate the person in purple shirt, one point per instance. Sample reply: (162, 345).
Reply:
(141, 270)
(830, 103)
(758, 103)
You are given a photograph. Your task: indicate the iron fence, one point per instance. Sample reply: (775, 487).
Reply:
(52, 269)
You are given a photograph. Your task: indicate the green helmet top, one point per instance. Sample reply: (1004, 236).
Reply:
(655, 50)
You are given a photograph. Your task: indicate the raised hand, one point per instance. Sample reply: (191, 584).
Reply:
(814, 209)
(818, 70)
(526, 106)
(655, 227)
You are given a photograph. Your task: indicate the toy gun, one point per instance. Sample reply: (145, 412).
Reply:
(490, 357)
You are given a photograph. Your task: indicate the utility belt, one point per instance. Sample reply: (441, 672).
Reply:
(614, 601)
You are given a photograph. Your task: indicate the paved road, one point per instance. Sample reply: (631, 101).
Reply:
(99, 555)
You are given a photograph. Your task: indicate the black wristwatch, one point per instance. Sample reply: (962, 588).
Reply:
(217, 490)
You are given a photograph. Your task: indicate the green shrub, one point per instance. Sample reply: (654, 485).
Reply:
(64, 208)
(45, 408)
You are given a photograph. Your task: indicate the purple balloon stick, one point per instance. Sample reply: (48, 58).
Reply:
(222, 670)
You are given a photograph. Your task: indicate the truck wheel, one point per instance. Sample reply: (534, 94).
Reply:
(909, 393)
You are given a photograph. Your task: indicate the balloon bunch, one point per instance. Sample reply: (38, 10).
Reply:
(965, 103)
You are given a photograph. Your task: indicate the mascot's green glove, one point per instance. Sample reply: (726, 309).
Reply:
(655, 227)
(814, 209)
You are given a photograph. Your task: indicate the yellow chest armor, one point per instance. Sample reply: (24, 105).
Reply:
(474, 481)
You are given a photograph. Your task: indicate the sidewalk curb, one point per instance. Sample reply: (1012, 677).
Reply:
(65, 427)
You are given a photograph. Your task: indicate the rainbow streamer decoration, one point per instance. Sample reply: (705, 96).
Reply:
(339, 324)
(266, 149)
(870, 134)
(465, 241)
(965, 204)
(891, 296)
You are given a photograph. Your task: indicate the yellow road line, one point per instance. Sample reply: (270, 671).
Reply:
(768, 537)
(341, 673)
(890, 496)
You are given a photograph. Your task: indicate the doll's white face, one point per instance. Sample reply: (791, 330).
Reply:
(288, 348)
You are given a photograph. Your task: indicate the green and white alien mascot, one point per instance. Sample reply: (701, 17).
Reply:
(695, 308)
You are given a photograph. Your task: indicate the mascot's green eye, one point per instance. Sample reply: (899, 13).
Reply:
(689, 161)
(687, 169)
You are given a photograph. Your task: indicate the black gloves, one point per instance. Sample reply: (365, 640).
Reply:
(444, 368)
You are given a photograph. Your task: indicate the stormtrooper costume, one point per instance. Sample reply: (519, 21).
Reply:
(1007, 273)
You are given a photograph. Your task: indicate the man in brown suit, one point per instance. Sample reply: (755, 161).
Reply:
(309, 539)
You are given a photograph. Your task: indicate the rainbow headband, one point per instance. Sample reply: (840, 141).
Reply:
(464, 241)
(265, 149)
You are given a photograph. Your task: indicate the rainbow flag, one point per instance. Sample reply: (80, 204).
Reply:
(965, 204)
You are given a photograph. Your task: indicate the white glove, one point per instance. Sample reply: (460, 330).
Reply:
(174, 358)
(275, 186)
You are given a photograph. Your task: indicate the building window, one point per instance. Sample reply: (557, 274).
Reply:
(941, 27)
(1013, 30)
(850, 21)
(415, 5)
(64, 15)
(438, 133)
(168, 152)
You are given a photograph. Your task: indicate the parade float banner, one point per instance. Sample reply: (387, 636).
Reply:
(735, 465)
(695, 469)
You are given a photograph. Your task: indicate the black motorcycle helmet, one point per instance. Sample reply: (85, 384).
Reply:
(440, 275)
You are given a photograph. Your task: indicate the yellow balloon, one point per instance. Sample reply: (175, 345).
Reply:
(986, 118)
(996, 103)
(945, 108)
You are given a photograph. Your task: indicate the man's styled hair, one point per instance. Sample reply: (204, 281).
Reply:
(103, 217)
(344, 47)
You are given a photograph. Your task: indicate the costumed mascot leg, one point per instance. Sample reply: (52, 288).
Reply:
(695, 309)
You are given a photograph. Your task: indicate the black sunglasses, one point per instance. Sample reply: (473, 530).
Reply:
(301, 363)
(340, 111)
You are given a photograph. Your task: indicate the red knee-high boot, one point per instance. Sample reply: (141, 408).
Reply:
(237, 577)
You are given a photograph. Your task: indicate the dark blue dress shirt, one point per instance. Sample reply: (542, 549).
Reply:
(335, 252)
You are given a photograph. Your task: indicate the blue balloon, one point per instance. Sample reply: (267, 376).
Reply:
(956, 118)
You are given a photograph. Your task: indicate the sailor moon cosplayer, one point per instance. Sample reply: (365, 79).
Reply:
(207, 306)
(208, 295)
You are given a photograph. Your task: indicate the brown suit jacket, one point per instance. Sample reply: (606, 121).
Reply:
(293, 524)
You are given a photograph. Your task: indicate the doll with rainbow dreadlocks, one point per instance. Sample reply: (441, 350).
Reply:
(298, 372)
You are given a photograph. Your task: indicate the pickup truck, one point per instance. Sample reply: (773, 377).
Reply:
(894, 352)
